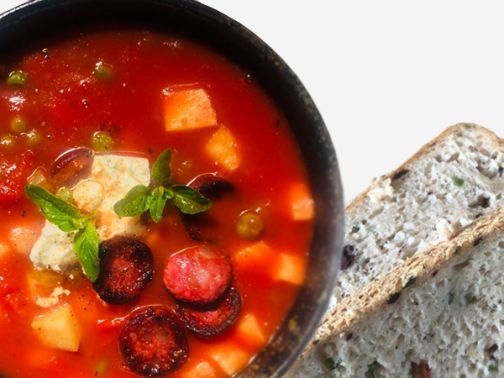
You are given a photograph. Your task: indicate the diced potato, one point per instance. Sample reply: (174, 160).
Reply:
(290, 269)
(257, 256)
(187, 109)
(22, 239)
(223, 149)
(229, 357)
(202, 370)
(58, 329)
(302, 204)
(251, 331)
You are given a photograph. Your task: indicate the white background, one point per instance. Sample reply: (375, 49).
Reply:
(387, 76)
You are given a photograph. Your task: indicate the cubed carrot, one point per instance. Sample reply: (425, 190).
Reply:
(251, 331)
(187, 109)
(289, 268)
(203, 369)
(229, 357)
(302, 204)
(256, 256)
(223, 149)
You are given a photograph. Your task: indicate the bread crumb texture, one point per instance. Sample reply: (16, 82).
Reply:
(450, 182)
(451, 321)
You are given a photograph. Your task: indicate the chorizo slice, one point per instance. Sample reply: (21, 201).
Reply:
(211, 185)
(198, 275)
(211, 321)
(152, 343)
(126, 267)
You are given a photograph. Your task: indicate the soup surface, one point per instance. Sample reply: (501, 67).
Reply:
(117, 100)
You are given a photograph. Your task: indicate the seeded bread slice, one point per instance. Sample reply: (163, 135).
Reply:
(450, 182)
(438, 314)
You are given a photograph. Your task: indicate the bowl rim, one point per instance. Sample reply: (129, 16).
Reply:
(331, 228)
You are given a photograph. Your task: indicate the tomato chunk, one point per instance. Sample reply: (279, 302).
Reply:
(13, 176)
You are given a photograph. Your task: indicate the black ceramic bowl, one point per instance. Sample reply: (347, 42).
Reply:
(41, 19)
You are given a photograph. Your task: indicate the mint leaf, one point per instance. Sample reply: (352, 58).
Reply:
(157, 202)
(135, 202)
(189, 201)
(141, 199)
(86, 249)
(161, 171)
(62, 214)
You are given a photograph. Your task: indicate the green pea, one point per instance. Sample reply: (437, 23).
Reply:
(17, 78)
(102, 141)
(7, 141)
(103, 71)
(18, 124)
(33, 138)
(250, 225)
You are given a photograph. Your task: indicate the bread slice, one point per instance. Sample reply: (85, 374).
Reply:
(438, 314)
(449, 183)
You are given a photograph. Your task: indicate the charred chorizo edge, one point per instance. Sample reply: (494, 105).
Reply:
(152, 343)
(126, 267)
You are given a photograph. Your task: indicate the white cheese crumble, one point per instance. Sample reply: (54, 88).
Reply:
(112, 176)
(53, 298)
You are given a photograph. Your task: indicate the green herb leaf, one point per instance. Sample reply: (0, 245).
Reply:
(189, 201)
(494, 367)
(157, 202)
(372, 370)
(86, 246)
(458, 182)
(470, 298)
(161, 171)
(135, 203)
(331, 363)
(62, 214)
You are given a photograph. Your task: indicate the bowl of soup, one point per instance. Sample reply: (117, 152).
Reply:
(170, 198)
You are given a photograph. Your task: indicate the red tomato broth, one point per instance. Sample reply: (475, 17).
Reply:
(66, 104)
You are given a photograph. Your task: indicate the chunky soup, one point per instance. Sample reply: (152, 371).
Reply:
(155, 212)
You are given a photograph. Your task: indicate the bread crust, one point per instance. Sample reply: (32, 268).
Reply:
(421, 152)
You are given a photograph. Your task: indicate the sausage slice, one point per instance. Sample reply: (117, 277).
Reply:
(198, 275)
(125, 269)
(211, 185)
(211, 321)
(151, 342)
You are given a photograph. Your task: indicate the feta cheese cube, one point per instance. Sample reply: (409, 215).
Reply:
(111, 178)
